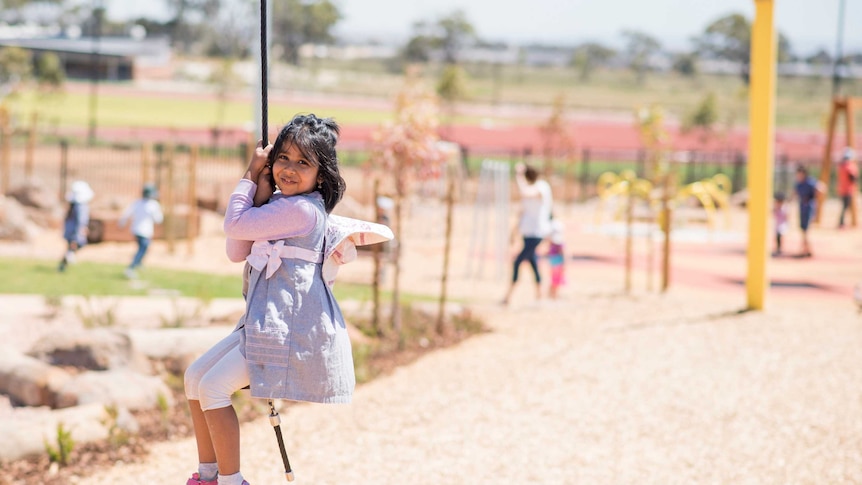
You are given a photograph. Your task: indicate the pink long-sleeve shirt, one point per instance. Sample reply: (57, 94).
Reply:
(282, 217)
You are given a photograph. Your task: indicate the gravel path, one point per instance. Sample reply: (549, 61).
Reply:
(598, 388)
(623, 390)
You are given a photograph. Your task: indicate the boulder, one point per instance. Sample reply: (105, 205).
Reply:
(122, 388)
(92, 349)
(14, 224)
(36, 195)
(31, 382)
(176, 348)
(27, 430)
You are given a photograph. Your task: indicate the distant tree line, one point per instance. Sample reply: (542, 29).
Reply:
(225, 29)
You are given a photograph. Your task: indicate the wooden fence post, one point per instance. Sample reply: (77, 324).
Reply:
(31, 146)
(146, 162)
(5, 142)
(169, 202)
(191, 222)
(630, 204)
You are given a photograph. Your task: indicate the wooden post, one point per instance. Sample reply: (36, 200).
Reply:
(666, 225)
(64, 167)
(849, 116)
(192, 216)
(826, 165)
(450, 202)
(169, 202)
(31, 146)
(375, 281)
(650, 250)
(146, 162)
(629, 221)
(5, 142)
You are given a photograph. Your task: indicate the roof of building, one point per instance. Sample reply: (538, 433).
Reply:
(107, 46)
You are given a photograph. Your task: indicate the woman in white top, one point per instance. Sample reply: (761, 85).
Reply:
(534, 222)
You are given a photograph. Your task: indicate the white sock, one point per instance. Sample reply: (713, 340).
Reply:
(235, 479)
(208, 471)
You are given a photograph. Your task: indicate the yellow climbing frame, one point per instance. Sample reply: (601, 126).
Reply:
(761, 141)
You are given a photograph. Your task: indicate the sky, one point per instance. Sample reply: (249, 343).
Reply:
(810, 24)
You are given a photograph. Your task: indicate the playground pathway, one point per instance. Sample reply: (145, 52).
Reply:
(621, 390)
(595, 388)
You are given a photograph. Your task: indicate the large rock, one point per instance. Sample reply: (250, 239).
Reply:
(31, 382)
(14, 224)
(120, 388)
(36, 195)
(176, 348)
(92, 349)
(26, 430)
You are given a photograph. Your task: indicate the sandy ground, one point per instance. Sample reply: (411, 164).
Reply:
(597, 387)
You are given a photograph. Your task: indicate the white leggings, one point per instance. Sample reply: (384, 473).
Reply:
(217, 374)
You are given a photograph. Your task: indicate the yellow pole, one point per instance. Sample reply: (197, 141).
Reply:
(761, 141)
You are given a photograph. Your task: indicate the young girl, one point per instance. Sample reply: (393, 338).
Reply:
(77, 220)
(779, 215)
(292, 342)
(557, 257)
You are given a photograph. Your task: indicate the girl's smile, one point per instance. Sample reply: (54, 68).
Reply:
(293, 173)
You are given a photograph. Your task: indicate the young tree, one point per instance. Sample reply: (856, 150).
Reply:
(185, 14)
(450, 33)
(640, 48)
(15, 68)
(297, 22)
(685, 64)
(729, 38)
(587, 57)
(455, 31)
(49, 72)
(407, 148)
(452, 87)
(703, 118)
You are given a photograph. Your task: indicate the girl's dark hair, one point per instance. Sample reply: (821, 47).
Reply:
(531, 174)
(315, 138)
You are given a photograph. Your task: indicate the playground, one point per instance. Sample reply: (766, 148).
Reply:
(599, 386)
(677, 351)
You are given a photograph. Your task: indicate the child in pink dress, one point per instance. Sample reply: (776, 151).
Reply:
(779, 214)
(557, 258)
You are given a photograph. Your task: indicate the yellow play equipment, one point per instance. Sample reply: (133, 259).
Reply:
(713, 194)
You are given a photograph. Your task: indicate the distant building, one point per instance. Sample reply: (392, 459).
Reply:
(111, 58)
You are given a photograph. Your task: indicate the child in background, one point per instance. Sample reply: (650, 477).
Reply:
(145, 213)
(76, 221)
(291, 342)
(807, 188)
(556, 257)
(779, 214)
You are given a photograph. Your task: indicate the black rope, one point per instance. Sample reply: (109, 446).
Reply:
(263, 77)
(287, 469)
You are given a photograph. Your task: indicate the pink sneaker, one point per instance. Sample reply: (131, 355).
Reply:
(196, 480)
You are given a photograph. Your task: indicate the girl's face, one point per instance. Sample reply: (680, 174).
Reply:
(293, 173)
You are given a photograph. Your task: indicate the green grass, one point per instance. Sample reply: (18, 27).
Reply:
(800, 102)
(40, 277)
